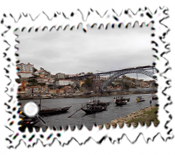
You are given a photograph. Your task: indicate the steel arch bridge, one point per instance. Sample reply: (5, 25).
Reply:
(118, 73)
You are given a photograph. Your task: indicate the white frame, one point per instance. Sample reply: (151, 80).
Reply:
(97, 134)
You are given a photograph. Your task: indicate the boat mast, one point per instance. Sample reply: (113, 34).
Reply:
(98, 88)
(98, 85)
(40, 99)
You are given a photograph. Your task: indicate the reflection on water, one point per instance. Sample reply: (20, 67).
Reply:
(80, 117)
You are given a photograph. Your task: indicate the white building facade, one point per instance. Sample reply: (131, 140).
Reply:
(25, 74)
(60, 75)
(25, 70)
(64, 82)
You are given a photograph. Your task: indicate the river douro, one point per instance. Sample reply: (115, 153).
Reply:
(80, 117)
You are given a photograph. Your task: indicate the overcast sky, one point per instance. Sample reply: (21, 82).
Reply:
(74, 51)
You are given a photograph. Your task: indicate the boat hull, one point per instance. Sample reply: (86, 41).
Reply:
(140, 100)
(104, 104)
(54, 111)
(87, 111)
(155, 98)
(94, 108)
(120, 103)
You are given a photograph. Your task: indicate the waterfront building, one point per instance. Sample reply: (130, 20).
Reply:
(36, 89)
(23, 85)
(42, 73)
(61, 91)
(66, 89)
(28, 91)
(60, 75)
(25, 67)
(25, 74)
(42, 80)
(64, 82)
(53, 91)
(25, 70)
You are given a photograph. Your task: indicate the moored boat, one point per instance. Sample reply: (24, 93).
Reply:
(54, 111)
(93, 108)
(98, 102)
(154, 97)
(140, 99)
(121, 100)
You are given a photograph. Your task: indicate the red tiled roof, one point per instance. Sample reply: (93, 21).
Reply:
(25, 64)
(24, 72)
(65, 87)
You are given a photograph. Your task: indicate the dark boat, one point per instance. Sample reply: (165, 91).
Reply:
(46, 112)
(121, 100)
(98, 103)
(93, 108)
(154, 97)
(54, 111)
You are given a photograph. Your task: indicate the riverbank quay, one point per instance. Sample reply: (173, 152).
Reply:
(143, 117)
(86, 96)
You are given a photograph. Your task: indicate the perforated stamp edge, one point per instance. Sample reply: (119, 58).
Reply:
(63, 21)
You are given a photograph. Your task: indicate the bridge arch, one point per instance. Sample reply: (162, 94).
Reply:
(123, 72)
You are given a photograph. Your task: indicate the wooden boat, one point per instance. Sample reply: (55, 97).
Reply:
(98, 103)
(54, 111)
(93, 108)
(154, 97)
(46, 112)
(140, 99)
(121, 101)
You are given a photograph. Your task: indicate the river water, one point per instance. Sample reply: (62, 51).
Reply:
(80, 117)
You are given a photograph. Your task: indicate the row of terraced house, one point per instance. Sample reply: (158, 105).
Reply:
(47, 84)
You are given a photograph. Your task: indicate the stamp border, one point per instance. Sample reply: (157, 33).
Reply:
(60, 20)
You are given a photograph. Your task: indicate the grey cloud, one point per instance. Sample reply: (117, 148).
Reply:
(76, 51)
